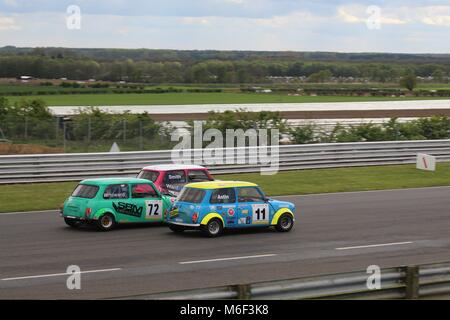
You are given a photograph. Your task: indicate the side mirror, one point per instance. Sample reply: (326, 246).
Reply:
(266, 199)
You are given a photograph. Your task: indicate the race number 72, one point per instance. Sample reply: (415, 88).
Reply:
(153, 208)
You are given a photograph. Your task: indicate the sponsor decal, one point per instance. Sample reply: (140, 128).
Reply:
(246, 220)
(244, 211)
(174, 213)
(231, 212)
(128, 209)
(223, 197)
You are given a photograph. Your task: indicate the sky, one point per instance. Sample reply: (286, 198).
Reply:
(401, 26)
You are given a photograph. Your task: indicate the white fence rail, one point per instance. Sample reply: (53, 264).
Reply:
(75, 167)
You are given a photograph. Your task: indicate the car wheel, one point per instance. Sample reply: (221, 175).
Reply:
(176, 229)
(106, 222)
(72, 223)
(213, 228)
(285, 223)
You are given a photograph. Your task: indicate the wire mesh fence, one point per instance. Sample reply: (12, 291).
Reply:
(87, 134)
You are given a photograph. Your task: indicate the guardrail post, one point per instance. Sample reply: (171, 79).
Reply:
(412, 282)
(243, 291)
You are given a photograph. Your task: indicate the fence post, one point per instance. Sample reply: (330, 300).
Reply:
(89, 130)
(243, 291)
(141, 138)
(412, 282)
(64, 135)
(26, 128)
(124, 130)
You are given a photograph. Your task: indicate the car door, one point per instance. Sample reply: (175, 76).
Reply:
(118, 198)
(223, 201)
(252, 209)
(145, 196)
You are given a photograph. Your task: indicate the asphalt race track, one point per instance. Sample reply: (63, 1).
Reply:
(333, 233)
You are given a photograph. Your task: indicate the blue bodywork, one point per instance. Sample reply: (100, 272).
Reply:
(233, 215)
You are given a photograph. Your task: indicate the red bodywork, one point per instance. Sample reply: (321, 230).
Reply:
(172, 181)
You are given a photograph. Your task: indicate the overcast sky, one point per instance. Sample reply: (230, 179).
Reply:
(412, 26)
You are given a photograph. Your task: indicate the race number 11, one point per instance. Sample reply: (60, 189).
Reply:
(260, 213)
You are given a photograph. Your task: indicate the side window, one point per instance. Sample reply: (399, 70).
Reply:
(249, 194)
(116, 191)
(198, 176)
(174, 181)
(226, 195)
(139, 191)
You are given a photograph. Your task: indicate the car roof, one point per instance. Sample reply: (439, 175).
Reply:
(104, 181)
(220, 184)
(169, 167)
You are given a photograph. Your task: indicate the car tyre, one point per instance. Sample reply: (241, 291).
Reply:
(213, 228)
(106, 222)
(176, 229)
(285, 223)
(72, 223)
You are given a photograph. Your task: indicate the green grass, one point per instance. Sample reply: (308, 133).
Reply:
(30, 197)
(192, 98)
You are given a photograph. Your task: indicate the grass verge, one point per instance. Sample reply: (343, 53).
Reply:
(31, 197)
(193, 98)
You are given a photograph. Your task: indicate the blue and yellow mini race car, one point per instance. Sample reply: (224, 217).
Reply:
(215, 205)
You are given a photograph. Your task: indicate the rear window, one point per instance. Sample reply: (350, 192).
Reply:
(149, 175)
(85, 191)
(191, 195)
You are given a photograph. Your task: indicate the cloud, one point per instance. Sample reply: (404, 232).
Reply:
(11, 3)
(8, 23)
(436, 16)
(428, 15)
(361, 14)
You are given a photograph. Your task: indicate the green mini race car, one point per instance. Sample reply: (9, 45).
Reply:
(107, 202)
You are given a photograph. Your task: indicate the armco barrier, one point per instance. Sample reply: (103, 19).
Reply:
(408, 282)
(74, 167)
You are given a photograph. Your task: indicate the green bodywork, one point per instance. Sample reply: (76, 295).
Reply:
(124, 210)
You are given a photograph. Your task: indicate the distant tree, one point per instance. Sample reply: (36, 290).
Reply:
(438, 75)
(409, 81)
(320, 77)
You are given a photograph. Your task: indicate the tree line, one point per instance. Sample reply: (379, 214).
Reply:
(209, 71)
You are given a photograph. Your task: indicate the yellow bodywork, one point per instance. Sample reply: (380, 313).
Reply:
(210, 216)
(278, 215)
(220, 184)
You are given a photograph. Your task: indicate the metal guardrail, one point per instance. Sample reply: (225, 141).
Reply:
(75, 167)
(411, 282)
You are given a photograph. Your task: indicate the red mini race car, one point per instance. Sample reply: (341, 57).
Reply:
(170, 179)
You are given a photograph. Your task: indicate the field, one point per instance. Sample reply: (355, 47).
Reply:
(193, 98)
(24, 197)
